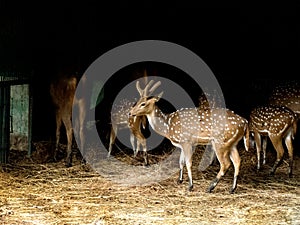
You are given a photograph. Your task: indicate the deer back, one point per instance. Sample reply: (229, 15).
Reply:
(193, 125)
(62, 92)
(272, 120)
(120, 113)
(287, 95)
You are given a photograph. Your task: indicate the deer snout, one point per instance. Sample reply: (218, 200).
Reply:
(131, 113)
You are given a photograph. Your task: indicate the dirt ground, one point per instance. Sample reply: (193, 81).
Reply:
(49, 193)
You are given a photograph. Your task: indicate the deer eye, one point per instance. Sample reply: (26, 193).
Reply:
(142, 104)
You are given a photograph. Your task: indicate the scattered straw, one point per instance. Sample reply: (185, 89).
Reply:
(49, 193)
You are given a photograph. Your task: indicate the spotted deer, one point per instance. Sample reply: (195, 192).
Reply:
(188, 127)
(120, 119)
(62, 91)
(278, 123)
(286, 95)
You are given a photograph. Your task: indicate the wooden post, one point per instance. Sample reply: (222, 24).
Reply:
(4, 123)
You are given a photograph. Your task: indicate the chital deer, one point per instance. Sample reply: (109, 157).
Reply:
(287, 95)
(188, 127)
(62, 92)
(80, 101)
(121, 119)
(278, 123)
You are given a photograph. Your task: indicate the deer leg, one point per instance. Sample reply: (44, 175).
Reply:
(112, 138)
(224, 160)
(264, 148)
(69, 131)
(181, 165)
(289, 145)
(57, 133)
(135, 150)
(143, 142)
(82, 115)
(236, 160)
(277, 143)
(257, 139)
(188, 152)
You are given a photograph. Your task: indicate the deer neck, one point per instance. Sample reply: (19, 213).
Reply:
(158, 121)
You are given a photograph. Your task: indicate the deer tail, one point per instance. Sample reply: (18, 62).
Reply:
(295, 123)
(247, 137)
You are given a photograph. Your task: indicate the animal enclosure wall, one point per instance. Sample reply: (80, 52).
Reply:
(15, 113)
(19, 119)
(4, 123)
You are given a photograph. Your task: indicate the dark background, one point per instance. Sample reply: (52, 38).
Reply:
(248, 47)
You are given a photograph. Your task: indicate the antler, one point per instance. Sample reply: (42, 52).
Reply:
(154, 87)
(144, 92)
(145, 77)
(139, 88)
(145, 82)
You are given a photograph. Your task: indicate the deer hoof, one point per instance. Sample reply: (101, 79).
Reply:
(232, 190)
(271, 173)
(179, 181)
(68, 164)
(190, 188)
(146, 165)
(83, 162)
(55, 158)
(209, 190)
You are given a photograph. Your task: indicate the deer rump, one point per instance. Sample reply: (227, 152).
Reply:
(62, 92)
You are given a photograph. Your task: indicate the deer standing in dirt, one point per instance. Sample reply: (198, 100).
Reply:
(120, 119)
(62, 92)
(278, 123)
(287, 95)
(188, 127)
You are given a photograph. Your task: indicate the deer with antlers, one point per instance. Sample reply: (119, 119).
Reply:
(121, 118)
(278, 123)
(188, 127)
